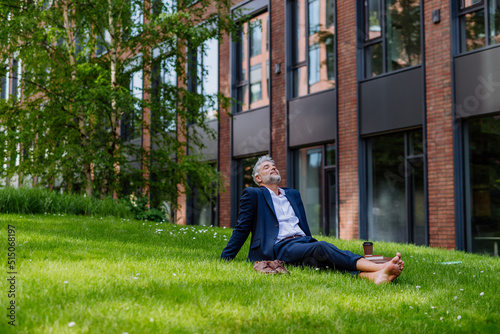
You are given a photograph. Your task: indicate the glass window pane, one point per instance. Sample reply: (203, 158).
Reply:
(330, 13)
(386, 189)
(300, 81)
(242, 95)
(484, 136)
(418, 200)
(299, 30)
(330, 155)
(331, 190)
(373, 60)
(372, 21)
(241, 50)
(136, 89)
(494, 15)
(258, 91)
(416, 143)
(330, 59)
(210, 79)
(314, 64)
(168, 80)
(472, 31)
(314, 10)
(308, 169)
(137, 16)
(203, 210)
(403, 33)
(255, 83)
(255, 38)
(468, 3)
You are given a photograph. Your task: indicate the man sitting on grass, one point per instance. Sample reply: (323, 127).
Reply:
(277, 220)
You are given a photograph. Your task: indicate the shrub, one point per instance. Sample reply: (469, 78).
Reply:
(138, 206)
(40, 200)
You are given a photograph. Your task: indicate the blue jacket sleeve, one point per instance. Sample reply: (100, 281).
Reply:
(243, 226)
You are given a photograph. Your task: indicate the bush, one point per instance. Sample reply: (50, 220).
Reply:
(40, 200)
(138, 206)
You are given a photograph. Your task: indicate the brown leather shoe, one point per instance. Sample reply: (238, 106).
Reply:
(278, 265)
(264, 267)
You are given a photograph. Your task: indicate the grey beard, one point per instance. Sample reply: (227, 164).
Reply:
(272, 179)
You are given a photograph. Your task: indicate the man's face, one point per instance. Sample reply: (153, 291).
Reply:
(268, 174)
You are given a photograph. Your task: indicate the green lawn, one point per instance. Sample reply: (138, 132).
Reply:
(109, 275)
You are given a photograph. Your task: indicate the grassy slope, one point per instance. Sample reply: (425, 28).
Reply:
(123, 276)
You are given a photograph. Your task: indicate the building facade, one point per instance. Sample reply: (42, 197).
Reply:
(385, 115)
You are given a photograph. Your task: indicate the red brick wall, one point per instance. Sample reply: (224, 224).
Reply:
(439, 127)
(278, 85)
(347, 165)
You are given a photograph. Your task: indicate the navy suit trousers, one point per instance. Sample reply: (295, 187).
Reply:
(309, 251)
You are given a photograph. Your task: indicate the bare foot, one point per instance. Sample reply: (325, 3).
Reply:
(391, 270)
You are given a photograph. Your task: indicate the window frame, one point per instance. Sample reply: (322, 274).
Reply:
(162, 55)
(300, 65)
(327, 227)
(382, 39)
(461, 12)
(239, 56)
(196, 75)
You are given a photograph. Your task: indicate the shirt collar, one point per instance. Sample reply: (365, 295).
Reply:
(280, 190)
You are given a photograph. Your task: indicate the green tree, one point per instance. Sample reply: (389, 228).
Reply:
(81, 114)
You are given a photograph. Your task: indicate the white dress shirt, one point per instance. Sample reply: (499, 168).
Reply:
(287, 219)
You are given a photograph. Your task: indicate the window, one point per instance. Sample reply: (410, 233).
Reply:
(242, 179)
(103, 41)
(4, 83)
(202, 211)
(255, 38)
(479, 23)
(16, 75)
(483, 184)
(255, 83)
(391, 35)
(252, 56)
(132, 120)
(315, 178)
(136, 16)
(313, 48)
(208, 75)
(163, 6)
(396, 202)
(163, 87)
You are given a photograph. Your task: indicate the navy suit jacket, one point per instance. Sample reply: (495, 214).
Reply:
(257, 216)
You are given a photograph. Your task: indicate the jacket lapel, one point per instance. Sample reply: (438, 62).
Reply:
(269, 199)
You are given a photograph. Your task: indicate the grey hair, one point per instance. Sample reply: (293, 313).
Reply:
(256, 168)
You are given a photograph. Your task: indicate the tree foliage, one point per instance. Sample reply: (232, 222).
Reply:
(78, 118)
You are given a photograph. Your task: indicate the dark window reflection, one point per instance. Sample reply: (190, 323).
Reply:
(387, 212)
(472, 26)
(484, 164)
(396, 200)
(494, 18)
(400, 19)
(374, 61)
(403, 33)
(203, 210)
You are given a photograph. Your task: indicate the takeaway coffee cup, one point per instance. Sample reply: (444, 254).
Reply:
(368, 248)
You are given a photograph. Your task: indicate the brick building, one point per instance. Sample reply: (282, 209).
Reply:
(385, 115)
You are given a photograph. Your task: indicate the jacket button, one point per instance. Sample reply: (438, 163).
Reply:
(277, 225)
